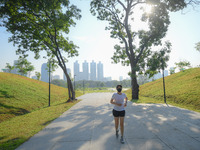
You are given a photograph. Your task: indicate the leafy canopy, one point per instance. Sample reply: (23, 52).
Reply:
(40, 25)
(135, 45)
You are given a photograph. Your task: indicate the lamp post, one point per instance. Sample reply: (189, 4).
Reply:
(163, 69)
(74, 85)
(49, 82)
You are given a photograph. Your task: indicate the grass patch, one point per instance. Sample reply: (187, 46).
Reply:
(182, 90)
(24, 108)
(17, 130)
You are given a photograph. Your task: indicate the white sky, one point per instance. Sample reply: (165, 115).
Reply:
(95, 43)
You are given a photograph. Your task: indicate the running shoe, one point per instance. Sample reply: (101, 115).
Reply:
(122, 140)
(117, 133)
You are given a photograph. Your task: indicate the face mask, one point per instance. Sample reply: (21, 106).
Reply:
(119, 90)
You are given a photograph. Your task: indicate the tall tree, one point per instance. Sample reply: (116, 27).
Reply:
(24, 66)
(42, 26)
(135, 45)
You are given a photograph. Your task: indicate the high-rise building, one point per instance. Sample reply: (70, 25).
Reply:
(93, 71)
(85, 71)
(76, 70)
(44, 73)
(100, 76)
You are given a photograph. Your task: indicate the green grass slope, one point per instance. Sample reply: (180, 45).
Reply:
(182, 89)
(24, 108)
(20, 95)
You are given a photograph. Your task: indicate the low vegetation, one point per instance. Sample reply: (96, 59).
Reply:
(24, 106)
(182, 89)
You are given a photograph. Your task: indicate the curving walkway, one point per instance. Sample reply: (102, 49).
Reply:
(89, 125)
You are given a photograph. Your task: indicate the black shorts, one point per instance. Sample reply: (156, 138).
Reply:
(118, 113)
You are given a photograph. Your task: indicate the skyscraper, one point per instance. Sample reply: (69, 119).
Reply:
(44, 73)
(93, 71)
(100, 71)
(85, 71)
(76, 70)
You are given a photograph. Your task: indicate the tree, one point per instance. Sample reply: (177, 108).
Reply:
(182, 64)
(135, 46)
(38, 75)
(42, 26)
(9, 67)
(24, 66)
(197, 46)
(172, 70)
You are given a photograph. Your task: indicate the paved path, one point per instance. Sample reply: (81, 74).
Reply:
(89, 125)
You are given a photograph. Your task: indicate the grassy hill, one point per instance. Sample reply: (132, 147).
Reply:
(24, 108)
(182, 89)
(20, 95)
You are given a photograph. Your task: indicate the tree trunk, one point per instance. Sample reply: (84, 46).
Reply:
(70, 86)
(135, 86)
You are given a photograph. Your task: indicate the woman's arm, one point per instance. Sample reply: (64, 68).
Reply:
(125, 104)
(112, 102)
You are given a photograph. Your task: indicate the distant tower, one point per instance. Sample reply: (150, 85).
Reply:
(85, 71)
(76, 70)
(44, 73)
(93, 71)
(100, 71)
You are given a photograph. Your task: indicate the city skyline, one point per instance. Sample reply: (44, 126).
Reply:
(92, 72)
(94, 42)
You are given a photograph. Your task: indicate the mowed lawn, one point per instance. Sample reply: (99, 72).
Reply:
(182, 89)
(24, 108)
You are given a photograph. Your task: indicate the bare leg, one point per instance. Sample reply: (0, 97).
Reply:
(122, 126)
(116, 123)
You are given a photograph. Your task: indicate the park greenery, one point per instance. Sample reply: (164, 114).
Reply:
(23, 66)
(24, 106)
(24, 102)
(136, 46)
(182, 65)
(42, 26)
(182, 90)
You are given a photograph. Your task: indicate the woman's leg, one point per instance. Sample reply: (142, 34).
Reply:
(122, 126)
(116, 123)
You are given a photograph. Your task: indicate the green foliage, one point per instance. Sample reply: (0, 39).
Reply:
(38, 75)
(41, 26)
(158, 60)
(172, 70)
(182, 65)
(182, 89)
(197, 46)
(135, 45)
(9, 67)
(24, 66)
(93, 84)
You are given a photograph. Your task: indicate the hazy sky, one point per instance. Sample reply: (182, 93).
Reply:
(95, 43)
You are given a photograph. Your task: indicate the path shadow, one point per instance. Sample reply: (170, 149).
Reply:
(89, 125)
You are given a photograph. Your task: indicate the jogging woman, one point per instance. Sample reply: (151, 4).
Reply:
(119, 100)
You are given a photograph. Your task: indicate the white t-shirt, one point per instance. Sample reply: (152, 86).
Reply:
(120, 100)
